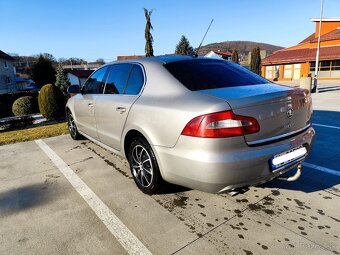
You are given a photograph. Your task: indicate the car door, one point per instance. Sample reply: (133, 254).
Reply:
(122, 89)
(84, 103)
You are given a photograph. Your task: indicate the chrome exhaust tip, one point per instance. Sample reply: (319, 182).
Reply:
(237, 191)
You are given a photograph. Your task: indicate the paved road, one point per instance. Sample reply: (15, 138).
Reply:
(43, 212)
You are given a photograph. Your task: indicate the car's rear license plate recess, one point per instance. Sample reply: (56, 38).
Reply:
(287, 157)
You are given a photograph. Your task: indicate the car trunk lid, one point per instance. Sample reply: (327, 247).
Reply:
(279, 110)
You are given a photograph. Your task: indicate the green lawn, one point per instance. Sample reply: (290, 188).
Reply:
(29, 134)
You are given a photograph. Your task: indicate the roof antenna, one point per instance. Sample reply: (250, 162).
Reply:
(199, 47)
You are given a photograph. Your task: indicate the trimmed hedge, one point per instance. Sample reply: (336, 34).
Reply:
(7, 100)
(25, 105)
(51, 102)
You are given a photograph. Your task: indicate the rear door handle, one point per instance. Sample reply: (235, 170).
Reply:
(90, 105)
(121, 109)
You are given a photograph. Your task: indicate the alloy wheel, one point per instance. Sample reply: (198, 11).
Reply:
(142, 166)
(71, 125)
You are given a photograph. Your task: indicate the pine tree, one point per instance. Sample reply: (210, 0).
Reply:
(148, 35)
(42, 71)
(184, 47)
(234, 56)
(62, 81)
(255, 62)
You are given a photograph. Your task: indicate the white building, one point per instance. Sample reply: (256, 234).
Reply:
(219, 54)
(78, 77)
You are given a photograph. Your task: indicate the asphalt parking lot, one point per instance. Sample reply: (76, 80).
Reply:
(59, 196)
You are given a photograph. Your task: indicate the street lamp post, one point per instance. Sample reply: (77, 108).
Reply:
(315, 88)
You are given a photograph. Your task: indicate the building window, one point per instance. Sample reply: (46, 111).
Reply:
(297, 71)
(8, 80)
(269, 72)
(327, 69)
(335, 69)
(5, 64)
(272, 72)
(287, 71)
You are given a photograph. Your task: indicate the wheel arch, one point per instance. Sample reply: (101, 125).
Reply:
(128, 138)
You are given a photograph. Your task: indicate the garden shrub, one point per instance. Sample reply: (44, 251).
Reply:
(24, 106)
(7, 100)
(51, 102)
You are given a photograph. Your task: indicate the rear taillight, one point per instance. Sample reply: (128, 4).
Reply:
(221, 124)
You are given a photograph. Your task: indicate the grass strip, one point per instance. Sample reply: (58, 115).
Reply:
(29, 134)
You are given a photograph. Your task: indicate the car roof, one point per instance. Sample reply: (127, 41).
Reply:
(158, 59)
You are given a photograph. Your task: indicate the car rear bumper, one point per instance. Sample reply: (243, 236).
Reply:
(215, 165)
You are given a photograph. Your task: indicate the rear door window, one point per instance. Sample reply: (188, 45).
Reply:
(136, 81)
(95, 83)
(201, 74)
(117, 78)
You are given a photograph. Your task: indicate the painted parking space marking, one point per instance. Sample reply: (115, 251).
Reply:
(321, 168)
(327, 126)
(124, 236)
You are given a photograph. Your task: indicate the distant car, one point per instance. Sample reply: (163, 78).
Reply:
(32, 87)
(202, 123)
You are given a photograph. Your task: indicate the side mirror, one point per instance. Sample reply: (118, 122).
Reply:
(82, 90)
(73, 89)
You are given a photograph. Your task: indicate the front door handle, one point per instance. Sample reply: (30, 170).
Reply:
(90, 105)
(121, 109)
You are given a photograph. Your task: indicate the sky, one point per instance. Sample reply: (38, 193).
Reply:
(92, 29)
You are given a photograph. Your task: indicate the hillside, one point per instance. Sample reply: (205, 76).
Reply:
(243, 47)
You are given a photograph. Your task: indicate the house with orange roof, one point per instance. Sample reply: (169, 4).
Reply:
(299, 61)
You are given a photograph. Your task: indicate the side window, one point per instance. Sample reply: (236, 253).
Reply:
(94, 84)
(136, 81)
(117, 78)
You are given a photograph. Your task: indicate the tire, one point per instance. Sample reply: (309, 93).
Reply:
(144, 167)
(72, 127)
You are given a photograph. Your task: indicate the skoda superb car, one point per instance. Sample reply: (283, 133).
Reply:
(202, 123)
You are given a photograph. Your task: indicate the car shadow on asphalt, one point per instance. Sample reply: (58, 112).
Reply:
(23, 198)
(326, 117)
(310, 181)
(169, 188)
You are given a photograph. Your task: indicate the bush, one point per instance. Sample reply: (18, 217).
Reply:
(51, 102)
(24, 106)
(7, 100)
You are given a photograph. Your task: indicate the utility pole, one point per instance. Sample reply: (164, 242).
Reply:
(315, 88)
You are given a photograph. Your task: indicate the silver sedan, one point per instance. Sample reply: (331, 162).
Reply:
(202, 123)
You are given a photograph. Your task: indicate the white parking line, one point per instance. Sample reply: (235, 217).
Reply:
(321, 168)
(124, 236)
(320, 125)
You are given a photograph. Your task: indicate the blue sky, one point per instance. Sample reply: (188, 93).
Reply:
(106, 28)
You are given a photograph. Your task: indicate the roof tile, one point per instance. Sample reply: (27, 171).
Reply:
(302, 55)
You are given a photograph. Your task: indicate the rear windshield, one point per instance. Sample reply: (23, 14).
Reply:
(201, 74)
